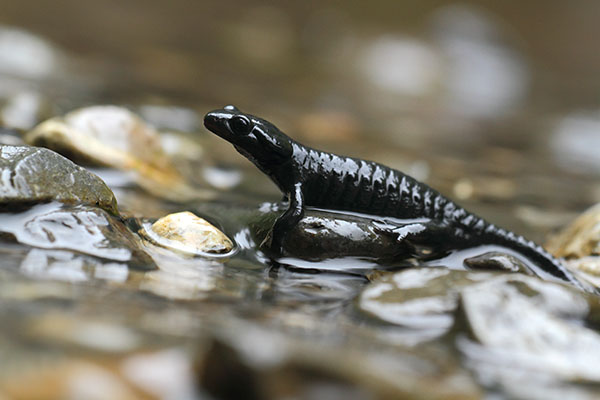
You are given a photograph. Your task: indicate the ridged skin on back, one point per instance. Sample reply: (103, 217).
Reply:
(344, 183)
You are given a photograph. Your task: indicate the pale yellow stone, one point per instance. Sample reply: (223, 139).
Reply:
(580, 239)
(579, 244)
(189, 233)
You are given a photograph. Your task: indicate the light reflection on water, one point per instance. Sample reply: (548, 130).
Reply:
(48, 226)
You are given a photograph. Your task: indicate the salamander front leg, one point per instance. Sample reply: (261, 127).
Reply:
(286, 221)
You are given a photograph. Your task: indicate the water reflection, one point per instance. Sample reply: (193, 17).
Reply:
(306, 287)
(71, 267)
(180, 277)
(52, 227)
(60, 265)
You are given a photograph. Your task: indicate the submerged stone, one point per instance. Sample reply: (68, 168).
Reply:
(497, 261)
(187, 233)
(322, 235)
(33, 175)
(115, 137)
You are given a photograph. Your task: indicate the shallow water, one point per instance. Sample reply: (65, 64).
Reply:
(492, 103)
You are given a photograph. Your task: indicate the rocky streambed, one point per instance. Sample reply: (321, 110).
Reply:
(152, 283)
(131, 257)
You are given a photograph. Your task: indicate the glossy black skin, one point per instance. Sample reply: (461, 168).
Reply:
(313, 178)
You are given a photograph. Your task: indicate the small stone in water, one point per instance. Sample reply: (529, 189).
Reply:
(498, 261)
(188, 233)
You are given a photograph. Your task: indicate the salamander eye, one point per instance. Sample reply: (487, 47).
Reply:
(239, 124)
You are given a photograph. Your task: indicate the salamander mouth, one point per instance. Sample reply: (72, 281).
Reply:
(216, 122)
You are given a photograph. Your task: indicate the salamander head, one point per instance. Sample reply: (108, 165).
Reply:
(258, 140)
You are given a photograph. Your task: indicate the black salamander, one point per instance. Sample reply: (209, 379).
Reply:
(313, 178)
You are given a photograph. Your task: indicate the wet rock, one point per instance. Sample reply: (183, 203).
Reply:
(421, 299)
(187, 233)
(80, 229)
(520, 335)
(425, 299)
(526, 336)
(114, 137)
(496, 261)
(32, 175)
(320, 235)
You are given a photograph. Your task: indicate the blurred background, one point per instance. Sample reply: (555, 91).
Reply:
(494, 103)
